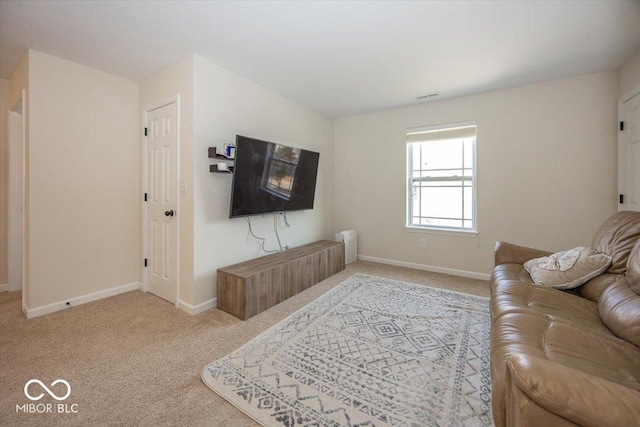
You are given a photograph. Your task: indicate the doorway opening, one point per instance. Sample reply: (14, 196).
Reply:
(16, 198)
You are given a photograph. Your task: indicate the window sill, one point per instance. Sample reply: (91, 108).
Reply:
(445, 232)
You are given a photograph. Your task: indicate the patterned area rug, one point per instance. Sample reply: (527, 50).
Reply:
(370, 352)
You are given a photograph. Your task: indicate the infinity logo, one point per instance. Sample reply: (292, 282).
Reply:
(52, 394)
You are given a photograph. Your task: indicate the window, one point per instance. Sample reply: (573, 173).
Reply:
(441, 177)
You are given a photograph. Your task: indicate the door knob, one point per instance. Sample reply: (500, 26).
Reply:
(169, 213)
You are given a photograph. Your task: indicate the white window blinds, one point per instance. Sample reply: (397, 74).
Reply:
(431, 134)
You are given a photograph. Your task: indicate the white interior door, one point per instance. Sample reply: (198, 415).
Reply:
(161, 205)
(629, 154)
(15, 197)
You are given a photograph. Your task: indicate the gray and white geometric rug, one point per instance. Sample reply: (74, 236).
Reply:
(370, 352)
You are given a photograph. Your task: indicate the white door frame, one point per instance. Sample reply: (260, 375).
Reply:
(626, 97)
(19, 109)
(145, 112)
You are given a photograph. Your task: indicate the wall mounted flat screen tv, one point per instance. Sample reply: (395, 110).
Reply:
(270, 177)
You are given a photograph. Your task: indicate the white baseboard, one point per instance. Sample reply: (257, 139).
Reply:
(431, 268)
(4, 287)
(57, 306)
(197, 309)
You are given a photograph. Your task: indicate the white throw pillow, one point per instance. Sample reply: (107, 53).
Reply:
(568, 269)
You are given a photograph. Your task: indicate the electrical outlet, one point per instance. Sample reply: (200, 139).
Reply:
(423, 243)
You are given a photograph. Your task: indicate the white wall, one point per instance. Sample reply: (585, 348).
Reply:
(225, 105)
(630, 75)
(178, 79)
(546, 171)
(84, 191)
(4, 179)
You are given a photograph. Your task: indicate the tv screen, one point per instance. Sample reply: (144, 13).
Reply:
(270, 177)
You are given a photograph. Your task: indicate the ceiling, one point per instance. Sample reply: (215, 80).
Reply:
(341, 57)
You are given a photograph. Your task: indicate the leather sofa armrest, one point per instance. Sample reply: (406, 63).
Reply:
(574, 395)
(510, 253)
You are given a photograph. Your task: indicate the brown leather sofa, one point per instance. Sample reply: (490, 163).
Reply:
(563, 358)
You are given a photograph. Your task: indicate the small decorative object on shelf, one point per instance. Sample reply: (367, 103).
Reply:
(213, 153)
(215, 168)
(222, 167)
(230, 151)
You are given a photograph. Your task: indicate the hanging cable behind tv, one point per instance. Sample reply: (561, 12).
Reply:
(262, 239)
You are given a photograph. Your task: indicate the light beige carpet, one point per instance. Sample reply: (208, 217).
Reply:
(135, 359)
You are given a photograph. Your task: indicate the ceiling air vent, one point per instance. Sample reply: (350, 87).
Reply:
(429, 96)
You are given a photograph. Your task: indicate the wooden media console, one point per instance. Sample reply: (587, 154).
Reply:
(251, 287)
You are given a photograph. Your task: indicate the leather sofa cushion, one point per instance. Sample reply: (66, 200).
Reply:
(522, 411)
(512, 296)
(600, 354)
(603, 355)
(620, 311)
(510, 272)
(594, 288)
(616, 237)
(554, 387)
(633, 268)
(514, 254)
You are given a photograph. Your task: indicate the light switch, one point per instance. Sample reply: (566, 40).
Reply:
(183, 185)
